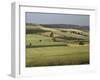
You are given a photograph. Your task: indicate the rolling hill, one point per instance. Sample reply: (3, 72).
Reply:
(59, 32)
(53, 46)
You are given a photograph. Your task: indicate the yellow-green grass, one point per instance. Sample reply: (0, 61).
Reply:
(58, 31)
(52, 56)
(34, 39)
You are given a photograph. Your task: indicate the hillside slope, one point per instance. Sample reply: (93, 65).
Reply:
(63, 33)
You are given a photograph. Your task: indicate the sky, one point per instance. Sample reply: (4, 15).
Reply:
(47, 18)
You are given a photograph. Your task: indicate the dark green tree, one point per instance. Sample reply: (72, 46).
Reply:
(54, 39)
(30, 44)
(51, 34)
(81, 43)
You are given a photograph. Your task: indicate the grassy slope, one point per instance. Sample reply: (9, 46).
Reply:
(49, 56)
(34, 40)
(59, 32)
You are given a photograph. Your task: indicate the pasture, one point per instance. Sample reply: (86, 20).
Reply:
(56, 46)
(52, 56)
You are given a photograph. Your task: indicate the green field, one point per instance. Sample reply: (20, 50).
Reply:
(53, 46)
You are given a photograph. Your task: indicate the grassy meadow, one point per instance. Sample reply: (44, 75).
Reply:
(47, 46)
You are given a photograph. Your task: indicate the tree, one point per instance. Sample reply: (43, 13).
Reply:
(40, 40)
(81, 43)
(30, 44)
(51, 34)
(54, 39)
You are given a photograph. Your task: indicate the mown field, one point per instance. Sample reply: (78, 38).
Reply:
(53, 47)
(49, 56)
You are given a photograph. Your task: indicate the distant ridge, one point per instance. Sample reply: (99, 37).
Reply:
(71, 26)
(66, 26)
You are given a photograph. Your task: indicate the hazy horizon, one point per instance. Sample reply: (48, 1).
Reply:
(55, 18)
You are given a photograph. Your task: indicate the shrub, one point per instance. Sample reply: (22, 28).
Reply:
(30, 44)
(54, 39)
(51, 34)
(40, 40)
(81, 43)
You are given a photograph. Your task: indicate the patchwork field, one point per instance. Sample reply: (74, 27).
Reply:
(47, 46)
